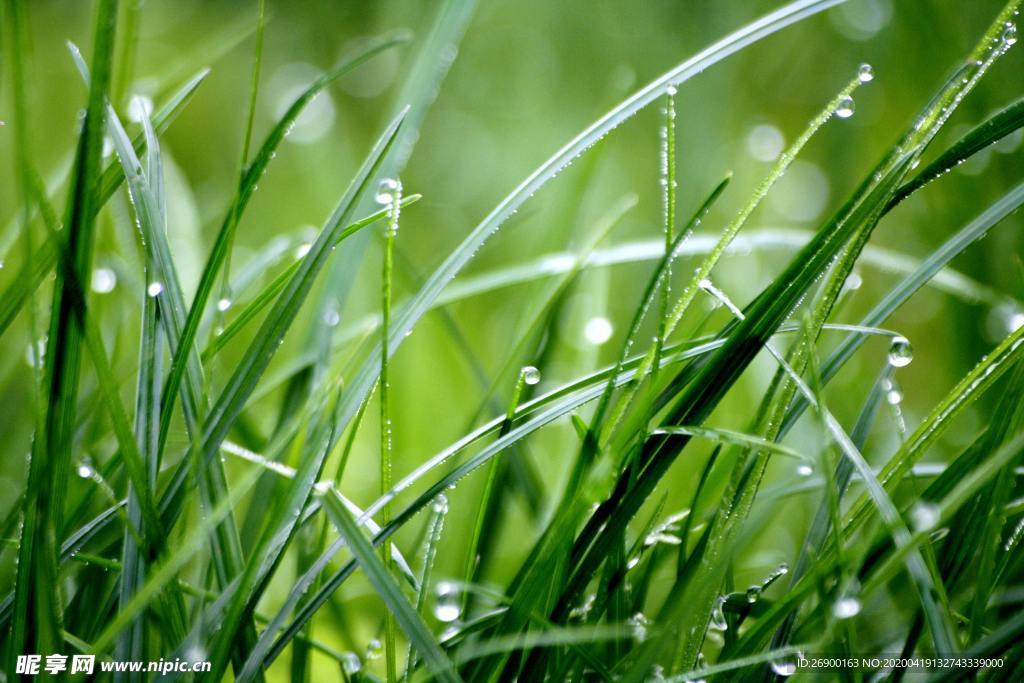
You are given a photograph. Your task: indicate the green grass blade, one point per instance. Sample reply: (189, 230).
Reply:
(428, 648)
(36, 623)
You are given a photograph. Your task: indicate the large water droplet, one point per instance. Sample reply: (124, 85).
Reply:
(846, 608)
(845, 108)
(446, 602)
(155, 288)
(350, 663)
(440, 505)
(531, 375)
(598, 330)
(900, 352)
(718, 622)
(865, 73)
(1010, 34)
(103, 280)
(783, 667)
(85, 470)
(753, 593)
(386, 191)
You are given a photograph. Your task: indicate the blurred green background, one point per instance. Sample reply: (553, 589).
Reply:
(528, 76)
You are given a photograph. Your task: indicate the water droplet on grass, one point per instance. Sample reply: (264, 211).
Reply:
(598, 330)
(374, 649)
(155, 288)
(440, 505)
(85, 470)
(865, 73)
(386, 191)
(531, 375)
(446, 602)
(901, 353)
(638, 624)
(350, 663)
(846, 608)
(223, 305)
(718, 622)
(783, 667)
(804, 470)
(1010, 34)
(753, 593)
(845, 108)
(103, 280)
(302, 250)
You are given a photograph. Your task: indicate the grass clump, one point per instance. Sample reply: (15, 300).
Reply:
(222, 511)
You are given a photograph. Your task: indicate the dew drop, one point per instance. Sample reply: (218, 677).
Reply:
(386, 191)
(753, 593)
(85, 470)
(718, 622)
(103, 280)
(783, 667)
(671, 91)
(331, 317)
(302, 250)
(865, 73)
(1010, 34)
(846, 608)
(900, 352)
(845, 108)
(804, 470)
(440, 504)
(223, 305)
(374, 649)
(531, 375)
(638, 625)
(446, 602)
(598, 330)
(350, 663)
(155, 288)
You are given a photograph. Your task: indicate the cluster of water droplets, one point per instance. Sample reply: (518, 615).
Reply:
(639, 625)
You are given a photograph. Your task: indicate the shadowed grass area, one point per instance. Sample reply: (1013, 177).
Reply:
(644, 419)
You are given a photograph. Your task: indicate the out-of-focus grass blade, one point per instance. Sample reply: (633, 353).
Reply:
(36, 624)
